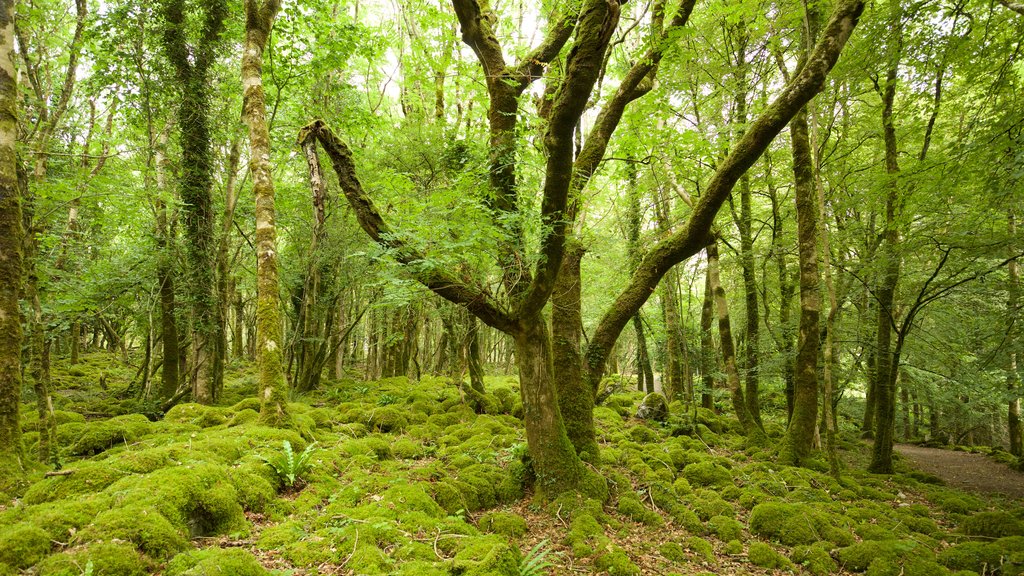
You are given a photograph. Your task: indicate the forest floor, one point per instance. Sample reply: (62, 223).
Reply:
(971, 472)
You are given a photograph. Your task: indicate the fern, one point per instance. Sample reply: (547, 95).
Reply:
(289, 466)
(536, 562)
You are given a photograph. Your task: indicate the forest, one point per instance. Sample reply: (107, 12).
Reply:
(490, 287)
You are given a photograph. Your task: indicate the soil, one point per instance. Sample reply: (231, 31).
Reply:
(972, 472)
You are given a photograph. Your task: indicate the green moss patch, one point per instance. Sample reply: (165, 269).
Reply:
(793, 524)
(215, 562)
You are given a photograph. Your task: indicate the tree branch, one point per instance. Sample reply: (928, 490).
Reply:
(441, 282)
(695, 235)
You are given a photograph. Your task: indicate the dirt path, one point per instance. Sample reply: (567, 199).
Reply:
(972, 472)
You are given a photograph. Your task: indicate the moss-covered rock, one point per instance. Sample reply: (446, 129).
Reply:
(105, 558)
(815, 559)
(387, 419)
(616, 563)
(981, 557)
(701, 548)
(504, 523)
(22, 545)
(586, 536)
(793, 524)
(143, 526)
(996, 524)
(763, 555)
(725, 528)
(215, 562)
(859, 557)
(629, 505)
(487, 556)
(95, 437)
(707, 473)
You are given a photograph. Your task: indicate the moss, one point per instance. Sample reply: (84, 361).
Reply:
(682, 486)
(673, 552)
(215, 561)
(643, 434)
(486, 556)
(707, 504)
(815, 559)
(868, 531)
(144, 527)
(725, 528)
(629, 505)
(107, 558)
(707, 474)
(387, 419)
(859, 557)
(63, 518)
(504, 523)
(95, 437)
(992, 525)
(701, 547)
(372, 446)
(793, 524)
(585, 535)
(763, 555)
(616, 563)
(405, 498)
(981, 557)
(733, 547)
(22, 545)
(911, 566)
(242, 417)
(408, 449)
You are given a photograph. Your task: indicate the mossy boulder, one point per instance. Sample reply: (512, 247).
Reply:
(489, 555)
(504, 523)
(725, 528)
(701, 547)
(859, 557)
(996, 524)
(673, 552)
(586, 536)
(95, 437)
(115, 559)
(22, 545)
(794, 524)
(763, 555)
(707, 473)
(981, 557)
(616, 562)
(387, 419)
(653, 407)
(215, 562)
(143, 526)
(629, 505)
(814, 559)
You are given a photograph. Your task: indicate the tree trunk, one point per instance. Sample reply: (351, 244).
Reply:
(165, 273)
(575, 397)
(555, 461)
(887, 359)
(708, 365)
(11, 253)
(192, 66)
(732, 375)
(223, 267)
(1013, 422)
(803, 424)
(786, 289)
(273, 389)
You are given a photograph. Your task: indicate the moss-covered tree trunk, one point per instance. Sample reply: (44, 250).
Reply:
(886, 359)
(11, 253)
(575, 397)
(804, 421)
(192, 65)
(223, 261)
(1013, 423)
(273, 389)
(708, 365)
(555, 460)
(170, 378)
(732, 374)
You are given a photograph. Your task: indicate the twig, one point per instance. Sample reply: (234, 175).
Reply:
(354, 546)
(58, 473)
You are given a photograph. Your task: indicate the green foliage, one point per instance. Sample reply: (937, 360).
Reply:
(215, 562)
(535, 562)
(289, 466)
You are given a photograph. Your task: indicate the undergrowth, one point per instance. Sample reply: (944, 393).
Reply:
(405, 478)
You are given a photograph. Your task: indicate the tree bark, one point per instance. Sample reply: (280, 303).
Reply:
(1013, 420)
(732, 375)
(11, 259)
(708, 366)
(273, 389)
(170, 379)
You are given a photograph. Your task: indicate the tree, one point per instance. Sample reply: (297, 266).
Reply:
(11, 451)
(273, 390)
(192, 65)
